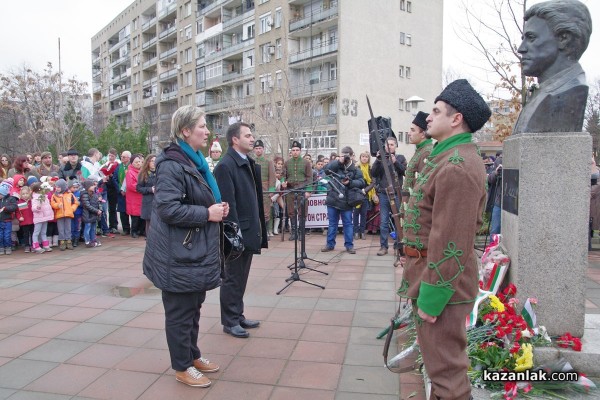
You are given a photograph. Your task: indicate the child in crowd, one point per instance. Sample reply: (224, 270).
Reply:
(64, 205)
(8, 205)
(52, 231)
(74, 188)
(42, 213)
(91, 199)
(18, 182)
(25, 217)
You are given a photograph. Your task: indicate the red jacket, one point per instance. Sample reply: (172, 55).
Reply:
(24, 211)
(133, 198)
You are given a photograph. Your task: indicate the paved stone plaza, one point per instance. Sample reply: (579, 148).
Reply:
(86, 324)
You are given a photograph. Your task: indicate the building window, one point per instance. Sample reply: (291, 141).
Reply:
(248, 32)
(187, 56)
(188, 8)
(278, 79)
(401, 71)
(278, 17)
(408, 40)
(333, 106)
(265, 51)
(266, 83)
(188, 78)
(406, 137)
(401, 104)
(265, 23)
(402, 5)
(249, 59)
(278, 49)
(409, 6)
(407, 72)
(199, 26)
(134, 24)
(262, 1)
(188, 32)
(136, 41)
(333, 71)
(214, 70)
(402, 37)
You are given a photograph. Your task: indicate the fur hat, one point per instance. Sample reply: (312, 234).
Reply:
(296, 143)
(72, 152)
(216, 146)
(5, 188)
(421, 120)
(61, 184)
(88, 183)
(31, 180)
(259, 143)
(461, 95)
(72, 182)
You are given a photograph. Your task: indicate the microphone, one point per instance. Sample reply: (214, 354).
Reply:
(326, 182)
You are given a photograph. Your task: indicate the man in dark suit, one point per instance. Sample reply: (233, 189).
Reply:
(238, 177)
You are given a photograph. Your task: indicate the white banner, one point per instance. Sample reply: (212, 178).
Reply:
(316, 215)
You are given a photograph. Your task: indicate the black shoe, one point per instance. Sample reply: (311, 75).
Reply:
(249, 323)
(292, 236)
(351, 250)
(135, 235)
(125, 232)
(236, 331)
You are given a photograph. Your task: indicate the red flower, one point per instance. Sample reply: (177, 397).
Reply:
(515, 348)
(576, 344)
(510, 290)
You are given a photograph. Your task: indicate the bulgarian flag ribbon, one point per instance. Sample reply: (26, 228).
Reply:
(490, 287)
(529, 315)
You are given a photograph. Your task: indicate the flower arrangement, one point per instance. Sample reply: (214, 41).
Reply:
(503, 341)
(44, 189)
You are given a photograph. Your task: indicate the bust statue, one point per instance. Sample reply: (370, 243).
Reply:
(555, 35)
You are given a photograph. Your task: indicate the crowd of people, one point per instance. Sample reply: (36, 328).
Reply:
(46, 205)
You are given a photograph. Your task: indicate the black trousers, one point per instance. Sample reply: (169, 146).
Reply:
(182, 317)
(233, 288)
(125, 221)
(112, 209)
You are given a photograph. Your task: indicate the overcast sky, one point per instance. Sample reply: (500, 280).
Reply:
(30, 32)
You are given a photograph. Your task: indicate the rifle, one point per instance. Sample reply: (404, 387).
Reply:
(392, 190)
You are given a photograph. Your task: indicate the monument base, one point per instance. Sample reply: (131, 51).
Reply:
(545, 214)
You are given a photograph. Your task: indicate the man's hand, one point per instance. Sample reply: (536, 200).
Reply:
(284, 185)
(426, 317)
(345, 181)
(307, 194)
(393, 158)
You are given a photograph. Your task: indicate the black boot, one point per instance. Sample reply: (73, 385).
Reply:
(294, 230)
(75, 242)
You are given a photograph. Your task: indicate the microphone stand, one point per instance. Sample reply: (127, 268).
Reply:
(295, 277)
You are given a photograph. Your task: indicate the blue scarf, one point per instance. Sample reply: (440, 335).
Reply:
(202, 167)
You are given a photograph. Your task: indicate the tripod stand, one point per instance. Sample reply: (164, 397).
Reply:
(299, 260)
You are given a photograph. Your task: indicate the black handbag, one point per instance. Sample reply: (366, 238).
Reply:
(355, 197)
(233, 244)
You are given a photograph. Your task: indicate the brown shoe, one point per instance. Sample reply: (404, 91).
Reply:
(204, 365)
(326, 249)
(382, 251)
(192, 377)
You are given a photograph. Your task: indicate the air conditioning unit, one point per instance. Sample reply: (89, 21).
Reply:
(270, 83)
(270, 21)
(178, 67)
(271, 50)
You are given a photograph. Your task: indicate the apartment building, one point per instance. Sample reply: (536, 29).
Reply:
(295, 69)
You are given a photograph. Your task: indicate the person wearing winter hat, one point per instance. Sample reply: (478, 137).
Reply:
(441, 273)
(90, 200)
(417, 135)
(31, 180)
(64, 204)
(8, 205)
(74, 187)
(214, 155)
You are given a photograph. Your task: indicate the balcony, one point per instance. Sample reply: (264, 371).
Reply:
(118, 44)
(168, 53)
(314, 88)
(316, 17)
(121, 110)
(168, 10)
(211, 7)
(149, 43)
(119, 61)
(149, 82)
(242, 102)
(216, 81)
(96, 87)
(120, 93)
(167, 32)
(150, 62)
(325, 48)
(168, 74)
(121, 77)
(149, 101)
(229, 50)
(168, 96)
(146, 25)
(231, 76)
(237, 19)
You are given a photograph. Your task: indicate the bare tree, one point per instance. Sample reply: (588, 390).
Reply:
(53, 111)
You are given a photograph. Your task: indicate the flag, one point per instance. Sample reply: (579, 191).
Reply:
(529, 315)
(22, 206)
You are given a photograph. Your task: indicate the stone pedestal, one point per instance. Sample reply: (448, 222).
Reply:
(545, 214)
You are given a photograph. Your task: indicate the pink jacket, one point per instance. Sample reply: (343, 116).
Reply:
(42, 210)
(133, 198)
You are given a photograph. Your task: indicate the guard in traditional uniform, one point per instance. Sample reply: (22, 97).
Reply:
(298, 175)
(267, 172)
(417, 136)
(441, 276)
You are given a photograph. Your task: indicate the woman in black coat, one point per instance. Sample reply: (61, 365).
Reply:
(183, 253)
(145, 186)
